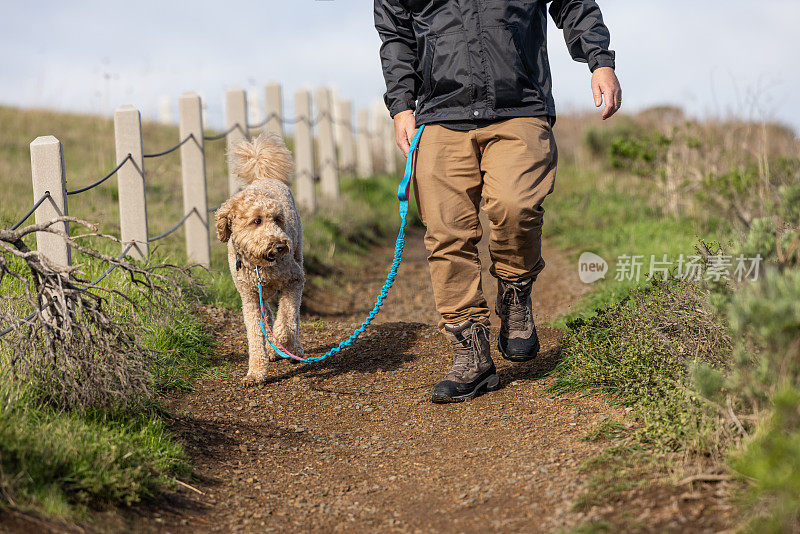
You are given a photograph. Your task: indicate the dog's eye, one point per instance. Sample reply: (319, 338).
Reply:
(278, 219)
(257, 222)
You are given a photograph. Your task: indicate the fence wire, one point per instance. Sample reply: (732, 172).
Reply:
(180, 223)
(311, 122)
(222, 135)
(103, 179)
(24, 218)
(169, 150)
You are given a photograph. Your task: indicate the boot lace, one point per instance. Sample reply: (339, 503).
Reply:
(515, 307)
(466, 352)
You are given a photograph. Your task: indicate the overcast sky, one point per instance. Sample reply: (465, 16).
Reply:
(709, 56)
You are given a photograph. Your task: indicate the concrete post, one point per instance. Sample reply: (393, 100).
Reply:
(236, 115)
(390, 149)
(193, 171)
(253, 106)
(130, 180)
(328, 171)
(376, 139)
(274, 108)
(344, 136)
(333, 95)
(164, 112)
(304, 151)
(363, 149)
(47, 173)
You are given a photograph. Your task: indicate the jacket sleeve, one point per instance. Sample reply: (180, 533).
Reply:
(398, 55)
(587, 36)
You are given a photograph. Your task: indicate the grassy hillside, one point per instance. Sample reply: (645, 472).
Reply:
(709, 368)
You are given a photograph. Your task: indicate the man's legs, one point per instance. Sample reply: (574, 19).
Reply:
(448, 187)
(512, 164)
(519, 160)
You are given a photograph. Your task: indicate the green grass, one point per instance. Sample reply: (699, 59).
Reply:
(183, 348)
(700, 365)
(61, 463)
(612, 220)
(771, 461)
(639, 353)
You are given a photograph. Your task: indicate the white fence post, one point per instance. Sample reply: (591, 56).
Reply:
(328, 172)
(273, 105)
(47, 173)
(390, 149)
(253, 106)
(130, 180)
(304, 151)
(376, 139)
(164, 112)
(363, 151)
(344, 136)
(193, 171)
(236, 114)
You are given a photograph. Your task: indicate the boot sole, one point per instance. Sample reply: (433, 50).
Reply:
(517, 358)
(490, 383)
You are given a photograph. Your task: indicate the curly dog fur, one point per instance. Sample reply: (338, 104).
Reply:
(261, 225)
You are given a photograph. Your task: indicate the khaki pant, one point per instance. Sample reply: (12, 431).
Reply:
(512, 166)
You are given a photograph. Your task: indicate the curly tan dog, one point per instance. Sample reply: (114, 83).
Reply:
(263, 229)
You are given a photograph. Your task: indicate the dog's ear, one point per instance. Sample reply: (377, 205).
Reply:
(223, 220)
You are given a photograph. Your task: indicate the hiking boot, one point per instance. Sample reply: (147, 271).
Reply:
(473, 369)
(518, 341)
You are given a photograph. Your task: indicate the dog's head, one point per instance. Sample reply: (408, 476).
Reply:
(256, 226)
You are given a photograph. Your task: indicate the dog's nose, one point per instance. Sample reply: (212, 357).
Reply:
(269, 256)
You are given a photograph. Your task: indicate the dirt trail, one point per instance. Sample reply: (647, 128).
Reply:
(353, 444)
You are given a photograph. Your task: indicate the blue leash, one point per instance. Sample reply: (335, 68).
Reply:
(402, 194)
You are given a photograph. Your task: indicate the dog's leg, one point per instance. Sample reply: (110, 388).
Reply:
(257, 365)
(287, 320)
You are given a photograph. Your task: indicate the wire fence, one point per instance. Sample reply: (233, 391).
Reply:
(178, 225)
(171, 149)
(38, 203)
(330, 160)
(94, 184)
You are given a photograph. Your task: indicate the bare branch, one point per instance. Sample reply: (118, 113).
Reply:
(75, 350)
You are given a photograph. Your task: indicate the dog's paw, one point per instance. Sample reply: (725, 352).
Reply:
(273, 356)
(294, 348)
(254, 379)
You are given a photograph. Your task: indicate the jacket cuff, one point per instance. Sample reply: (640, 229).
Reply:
(602, 59)
(396, 106)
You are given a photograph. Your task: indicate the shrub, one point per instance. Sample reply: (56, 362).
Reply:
(772, 462)
(639, 352)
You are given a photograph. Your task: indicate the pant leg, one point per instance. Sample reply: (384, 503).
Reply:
(519, 160)
(448, 188)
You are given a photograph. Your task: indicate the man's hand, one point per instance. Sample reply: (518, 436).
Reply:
(605, 85)
(404, 130)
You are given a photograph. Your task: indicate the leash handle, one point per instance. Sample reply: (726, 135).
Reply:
(403, 191)
(404, 188)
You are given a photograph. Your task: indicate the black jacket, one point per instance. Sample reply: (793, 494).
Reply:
(456, 60)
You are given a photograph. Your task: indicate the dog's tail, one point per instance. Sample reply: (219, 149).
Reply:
(264, 158)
